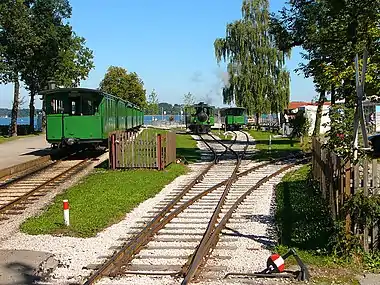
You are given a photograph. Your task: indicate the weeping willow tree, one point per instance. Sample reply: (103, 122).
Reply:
(257, 78)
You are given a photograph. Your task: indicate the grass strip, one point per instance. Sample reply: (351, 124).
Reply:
(303, 222)
(100, 200)
(279, 147)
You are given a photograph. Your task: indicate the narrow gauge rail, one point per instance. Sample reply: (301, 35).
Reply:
(16, 194)
(159, 236)
(171, 209)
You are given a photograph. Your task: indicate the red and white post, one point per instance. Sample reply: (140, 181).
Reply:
(66, 215)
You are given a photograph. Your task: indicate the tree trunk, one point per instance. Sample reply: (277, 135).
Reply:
(31, 111)
(318, 118)
(333, 99)
(257, 120)
(16, 101)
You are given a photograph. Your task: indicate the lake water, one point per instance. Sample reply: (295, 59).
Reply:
(148, 119)
(20, 121)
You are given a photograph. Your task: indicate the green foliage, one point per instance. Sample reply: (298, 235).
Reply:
(332, 33)
(152, 104)
(364, 210)
(128, 86)
(37, 45)
(76, 63)
(300, 125)
(372, 261)
(257, 78)
(341, 131)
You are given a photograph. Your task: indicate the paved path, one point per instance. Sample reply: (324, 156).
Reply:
(369, 279)
(22, 150)
(24, 266)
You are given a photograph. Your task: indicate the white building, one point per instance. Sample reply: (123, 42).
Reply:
(311, 114)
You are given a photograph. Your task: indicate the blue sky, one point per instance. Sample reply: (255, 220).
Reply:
(168, 43)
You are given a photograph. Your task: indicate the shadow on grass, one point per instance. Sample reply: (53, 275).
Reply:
(274, 154)
(286, 142)
(302, 215)
(190, 154)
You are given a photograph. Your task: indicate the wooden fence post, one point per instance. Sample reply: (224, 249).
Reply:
(375, 226)
(113, 152)
(159, 152)
(365, 192)
(347, 192)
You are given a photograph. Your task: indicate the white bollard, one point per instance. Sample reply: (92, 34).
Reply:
(270, 143)
(66, 215)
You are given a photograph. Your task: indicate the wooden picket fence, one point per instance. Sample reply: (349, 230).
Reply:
(339, 180)
(128, 149)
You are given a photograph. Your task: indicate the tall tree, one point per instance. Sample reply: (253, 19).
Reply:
(152, 104)
(39, 46)
(51, 36)
(15, 37)
(257, 78)
(128, 86)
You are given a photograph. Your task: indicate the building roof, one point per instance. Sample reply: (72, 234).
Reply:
(298, 104)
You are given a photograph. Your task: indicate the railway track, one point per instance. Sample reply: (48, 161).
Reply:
(16, 194)
(178, 236)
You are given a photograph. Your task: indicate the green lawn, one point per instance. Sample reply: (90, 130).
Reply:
(304, 223)
(278, 147)
(101, 199)
(187, 148)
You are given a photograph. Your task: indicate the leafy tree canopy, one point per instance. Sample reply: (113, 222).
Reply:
(37, 44)
(128, 86)
(332, 32)
(257, 79)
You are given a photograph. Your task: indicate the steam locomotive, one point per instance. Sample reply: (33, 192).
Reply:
(199, 118)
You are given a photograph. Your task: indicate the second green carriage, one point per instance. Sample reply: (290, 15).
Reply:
(233, 118)
(86, 116)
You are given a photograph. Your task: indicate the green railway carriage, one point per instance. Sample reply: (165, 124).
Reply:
(86, 116)
(233, 118)
(199, 118)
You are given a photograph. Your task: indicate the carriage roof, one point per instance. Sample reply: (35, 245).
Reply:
(231, 108)
(86, 90)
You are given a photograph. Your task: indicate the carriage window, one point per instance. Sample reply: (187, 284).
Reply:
(88, 107)
(75, 106)
(56, 106)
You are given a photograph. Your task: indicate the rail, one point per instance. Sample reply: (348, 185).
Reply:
(40, 185)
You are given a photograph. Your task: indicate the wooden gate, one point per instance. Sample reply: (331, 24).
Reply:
(128, 149)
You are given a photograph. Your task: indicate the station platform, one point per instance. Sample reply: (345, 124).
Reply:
(22, 150)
